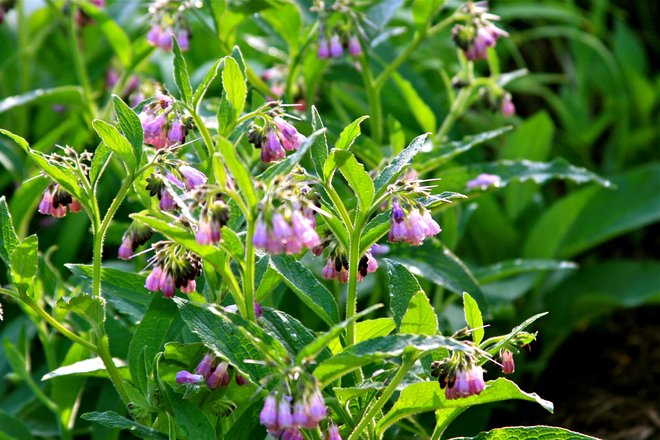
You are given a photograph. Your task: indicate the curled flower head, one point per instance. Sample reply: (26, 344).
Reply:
(174, 268)
(55, 201)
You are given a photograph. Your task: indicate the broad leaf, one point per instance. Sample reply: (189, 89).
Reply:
(401, 161)
(13, 428)
(24, 263)
(529, 432)
(117, 143)
(506, 269)
(473, 318)
(420, 318)
(111, 419)
(233, 99)
(190, 421)
(320, 144)
(349, 134)
(289, 331)
(89, 367)
(307, 287)
(201, 89)
(421, 111)
(238, 171)
(355, 175)
(364, 330)
(402, 286)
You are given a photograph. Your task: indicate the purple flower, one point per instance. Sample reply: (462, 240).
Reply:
(397, 213)
(317, 411)
(483, 181)
(508, 365)
(193, 177)
(467, 383)
(167, 285)
(413, 228)
(153, 279)
(304, 231)
(126, 248)
(291, 139)
(272, 150)
(268, 414)
(152, 125)
(333, 433)
(182, 37)
(354, 47)
(299, 415)
(165, 40)
(324, 49)
(292, 434)
(284, 417)
(372, 264)
(281, 229)
(176, 133)
(329, 271)
(186, 377)
(206, 365)
(379, 249)
(260, 238)
(167, 202)
(432, 226)
(508, 109)
(189, 287)
(153, 36)
(336, 49)
(219, 377)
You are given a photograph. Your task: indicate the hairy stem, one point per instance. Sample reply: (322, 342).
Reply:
(248, 273)
(384, 397)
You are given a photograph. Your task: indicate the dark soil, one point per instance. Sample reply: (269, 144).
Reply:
(604, 381)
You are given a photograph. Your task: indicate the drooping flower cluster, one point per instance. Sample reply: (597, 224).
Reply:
(163, 125)
(286, 223)
(337, 266)
(136, 235)
(163, 186)
(459, 376)
(411, 225)
(334, 47)
(167, 19)
(479, 33)
(55, 201)
(282, 412)
(215, 373)
(212, 218)
(174, 268)
(275, 139)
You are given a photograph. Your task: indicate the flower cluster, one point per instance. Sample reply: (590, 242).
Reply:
(55, 201)
(411, 225)
(162, 185)
(483, 181)
(162, 125)
(478, 34)
(275, 139)
(337, 266)
(209, 370)
(459, 376)
(281, 412)
(168, 19)
(334, 48)
(213, 216)
(136, 235)
(174, 267)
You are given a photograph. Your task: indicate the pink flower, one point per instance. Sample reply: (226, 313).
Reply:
(186, 377)
(508, 365)
(354, 47)
(324, 49)
(336, 49)
(483, 181)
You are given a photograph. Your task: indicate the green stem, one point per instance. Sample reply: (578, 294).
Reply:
(370, 415)
(206, 135)
(341, 209)
(79, 65)
(457, 107)
(248, 273)
(104, 353)
(351, 299)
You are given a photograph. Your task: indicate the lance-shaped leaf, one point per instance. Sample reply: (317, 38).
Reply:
(346, 139)
(289, 331)
(420, 318)
(203, 86)
(402, 286)
(355, 175)
(506, 269)
(428, 396)
(381, 348)
(111, 419)
(130, 126)
(512, 334)
(239, 172)
(320, 144)
(93, 367)
(395, 167)
(307, 287)
(56, 95)
(181, 75)
(473, 317)
(536, 432)
(8, 238)
(117, 143)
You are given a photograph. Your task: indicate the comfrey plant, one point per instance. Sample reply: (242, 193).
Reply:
(242, 210)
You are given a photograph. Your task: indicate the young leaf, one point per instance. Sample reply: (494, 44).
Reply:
(320, 145)
(181, 76)
(539, 432)
(375, 349)
(130, 126)
(307, 287)
(349, 134)
(111, 419)
(117, 143)
(428, 396)
(93, 367)
(473, 318)
(420, 318)
(99, 162)
(355, 175)
(149, 337)
(8, 238)
(233, 100)
(23, 262)
(401, 161)
(239, 171)
(201, 89)
(402, 286)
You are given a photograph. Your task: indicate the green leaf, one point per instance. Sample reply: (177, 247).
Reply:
(423, 11)
(93, 367)
(191, 423)
(129, 125)
(512, 334)
(233, 100)
(506, 269)
(56, 95)
(289, 331)
(422, 112)
(397, 136)
(181, 76)
(447, 151)
(402, 287)
(111, 419)
(89, 308)
(364, 330)
(239, 171)
(117, 143)
(380, 348)
(473, 318)
(435, 262)
(149, 337)
(61, 175)
(99, 162)
(13, 429)
(529, 432)
(395, 167)
(23, 262)
(349, 134)
(247, 426)
(284, 167)
(314, 348)
(124, 290)
(428, 396)
(355, 175)
(286, 19)
(114, 33)
(307, 287)
(420, 318)
(223, 338)
(320, 145)
(201, 89)
(8, 238)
